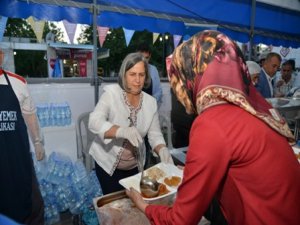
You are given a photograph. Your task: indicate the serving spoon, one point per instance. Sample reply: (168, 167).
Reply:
(149, 187)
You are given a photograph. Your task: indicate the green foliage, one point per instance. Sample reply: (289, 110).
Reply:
(116, 43)
(33, 64)
(30, 63)
(18, 28)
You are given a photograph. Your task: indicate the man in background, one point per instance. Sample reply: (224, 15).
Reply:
(269, 69)
(284, 82)
(155, 88)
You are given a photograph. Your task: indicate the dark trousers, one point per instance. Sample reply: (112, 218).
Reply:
(150, 158)
(109, 183)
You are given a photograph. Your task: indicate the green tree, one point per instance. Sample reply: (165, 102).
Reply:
(115, 42)
(30, 62)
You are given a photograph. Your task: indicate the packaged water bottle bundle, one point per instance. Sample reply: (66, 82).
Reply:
(65, 186)
(54, 114)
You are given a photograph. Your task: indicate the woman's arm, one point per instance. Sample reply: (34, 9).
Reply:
(99, 119)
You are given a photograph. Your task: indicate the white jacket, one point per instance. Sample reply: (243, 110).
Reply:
(110, 110)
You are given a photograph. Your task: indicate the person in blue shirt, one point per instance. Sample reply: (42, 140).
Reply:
(155, 88)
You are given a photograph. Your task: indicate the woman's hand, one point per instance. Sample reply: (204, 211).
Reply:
(137, 199)
(165, 156)
(131, 134)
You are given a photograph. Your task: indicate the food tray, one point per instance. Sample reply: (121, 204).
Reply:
(117, 208)
(169, 169)
(296, 150)
(105, 199)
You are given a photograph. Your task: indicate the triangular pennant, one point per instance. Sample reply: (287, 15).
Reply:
(155, 36)
(186, 37)
(3, 21)
(70, 30)
(176, 40)
(102, 32)
(37, 27)
(128, 35)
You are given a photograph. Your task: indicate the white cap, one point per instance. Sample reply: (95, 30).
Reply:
(263, 55)
(253, 67)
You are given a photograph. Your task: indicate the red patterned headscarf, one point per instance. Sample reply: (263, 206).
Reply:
(209, 69)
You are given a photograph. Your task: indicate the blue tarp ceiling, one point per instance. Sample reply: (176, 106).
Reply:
(268, 24)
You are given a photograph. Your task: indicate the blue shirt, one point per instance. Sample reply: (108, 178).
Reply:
(156, 86)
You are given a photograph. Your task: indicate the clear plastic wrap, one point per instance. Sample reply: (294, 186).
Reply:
(121, 211)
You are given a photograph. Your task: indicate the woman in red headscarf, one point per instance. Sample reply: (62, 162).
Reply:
(239, 145)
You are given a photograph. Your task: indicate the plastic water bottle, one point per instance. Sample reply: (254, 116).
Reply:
(62, 114)
(60, 198)
(52, 117)
(41, 169)
(51, 214)
(38, 113)
(79, 171)
(68, 114)
(58, 114)
(58, 168)
(96, 190)
(46, 115)
(41, 114)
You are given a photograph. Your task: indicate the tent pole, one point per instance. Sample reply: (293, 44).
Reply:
(95, 60)
(253, 11)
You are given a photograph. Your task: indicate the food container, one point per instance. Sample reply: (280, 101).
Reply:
(117, 208)
(169, 171)
(296, 150)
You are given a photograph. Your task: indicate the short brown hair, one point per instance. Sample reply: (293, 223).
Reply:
(129, 61)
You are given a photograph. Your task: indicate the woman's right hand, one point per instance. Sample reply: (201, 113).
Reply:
(131, 134)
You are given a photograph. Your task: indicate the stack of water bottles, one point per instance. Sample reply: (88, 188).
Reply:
(65, 186)
(54, 114)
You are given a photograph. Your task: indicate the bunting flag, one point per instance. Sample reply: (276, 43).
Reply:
(3, 21)
(186, 37)
(176, 40)
(128, 35)
(70, 30)
(155, 36)
(37, 27)
(284, 51)
(102, 32)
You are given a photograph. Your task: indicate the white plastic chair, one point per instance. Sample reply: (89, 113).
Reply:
(166, 128)
(84, 140)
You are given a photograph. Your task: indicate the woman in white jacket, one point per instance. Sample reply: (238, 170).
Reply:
(122, 117)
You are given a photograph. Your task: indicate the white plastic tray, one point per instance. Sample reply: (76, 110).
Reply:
(169, 169)
(297, 151)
